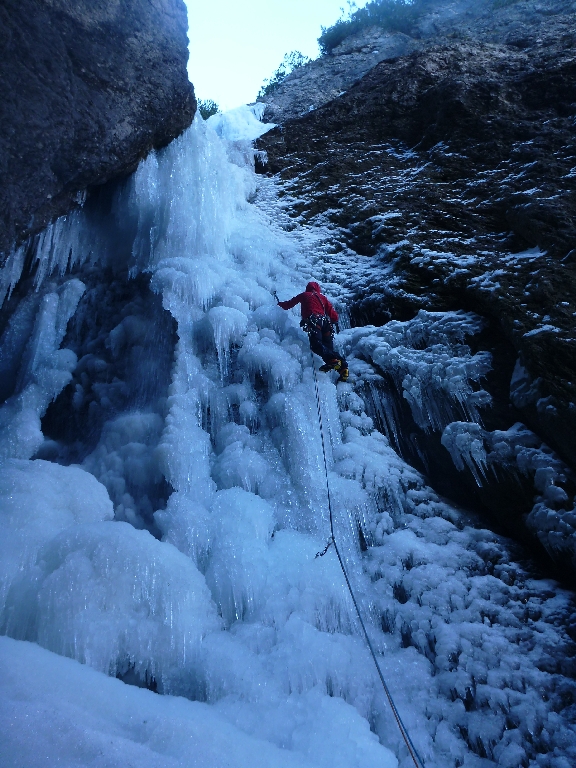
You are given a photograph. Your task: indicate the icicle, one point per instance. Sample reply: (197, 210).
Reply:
(465, 442)
(11, 272)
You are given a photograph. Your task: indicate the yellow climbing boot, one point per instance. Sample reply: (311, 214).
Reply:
(343, 375)
(333, 365)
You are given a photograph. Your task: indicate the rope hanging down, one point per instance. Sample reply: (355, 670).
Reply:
(332, 541)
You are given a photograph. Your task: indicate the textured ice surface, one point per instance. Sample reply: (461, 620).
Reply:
(464, 441)
(39, 499)
(55, 711)
(206, 584)
(240, 124)
(149, 603)
(520, 452)
(428, 363)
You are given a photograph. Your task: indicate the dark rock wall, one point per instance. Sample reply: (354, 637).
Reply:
(87, 89)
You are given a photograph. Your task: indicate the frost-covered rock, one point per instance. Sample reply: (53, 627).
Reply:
(428, 363)
(434, 194)
(520, 452)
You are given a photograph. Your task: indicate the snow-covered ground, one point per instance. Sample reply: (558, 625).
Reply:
(210, 592)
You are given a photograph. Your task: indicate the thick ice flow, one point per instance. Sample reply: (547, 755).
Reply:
(241, 124)
(149, 603)
(231, 606)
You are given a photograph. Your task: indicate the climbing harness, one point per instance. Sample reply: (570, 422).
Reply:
(332, 542)
(320, 323)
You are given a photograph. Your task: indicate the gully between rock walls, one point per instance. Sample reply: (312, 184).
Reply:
(164, 488)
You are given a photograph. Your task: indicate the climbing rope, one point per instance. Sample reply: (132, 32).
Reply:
(332, 542)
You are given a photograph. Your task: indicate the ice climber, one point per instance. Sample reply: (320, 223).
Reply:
(318, 320)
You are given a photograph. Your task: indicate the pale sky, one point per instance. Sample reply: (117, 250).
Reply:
(236, 44)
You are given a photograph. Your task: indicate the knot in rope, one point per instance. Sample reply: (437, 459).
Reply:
(326, 548)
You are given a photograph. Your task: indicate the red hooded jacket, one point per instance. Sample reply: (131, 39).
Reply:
(312, 302)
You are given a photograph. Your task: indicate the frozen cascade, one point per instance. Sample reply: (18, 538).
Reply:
(216, 594)
(40, 370)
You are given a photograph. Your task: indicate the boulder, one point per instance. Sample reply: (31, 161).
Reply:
(87, 89)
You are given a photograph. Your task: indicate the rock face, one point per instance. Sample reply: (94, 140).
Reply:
(448, 175)
(86, 90)
(318, 82)
(314, 84)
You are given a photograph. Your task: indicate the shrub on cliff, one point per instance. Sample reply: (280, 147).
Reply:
(392, 15)
(207, 108)
(290, 62)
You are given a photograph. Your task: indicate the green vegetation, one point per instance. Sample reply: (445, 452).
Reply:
(392, 15)
(290, 62)
(207, 108)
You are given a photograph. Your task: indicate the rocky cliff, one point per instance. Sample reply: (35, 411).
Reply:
(86, 90)
(447, 176)
(506, 22)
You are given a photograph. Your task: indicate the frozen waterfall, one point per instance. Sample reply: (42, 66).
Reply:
(163, 498)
